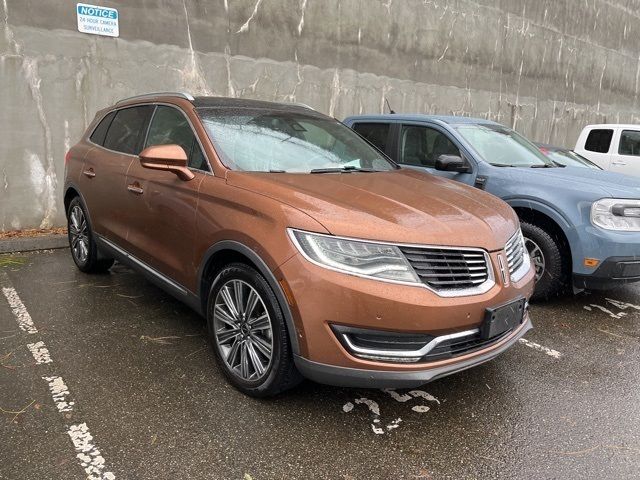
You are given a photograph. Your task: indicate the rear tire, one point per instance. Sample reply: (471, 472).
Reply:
(549, 257)
(248, 333)
(82, 244)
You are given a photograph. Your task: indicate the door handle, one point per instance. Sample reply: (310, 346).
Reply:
(89, 173)
(135, 188)
(618, 162)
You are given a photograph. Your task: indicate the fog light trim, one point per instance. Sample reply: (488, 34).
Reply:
(394, 355)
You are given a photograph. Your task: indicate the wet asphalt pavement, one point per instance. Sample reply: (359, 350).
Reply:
(142, 378)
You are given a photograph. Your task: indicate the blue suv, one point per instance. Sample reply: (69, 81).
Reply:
(581, 226)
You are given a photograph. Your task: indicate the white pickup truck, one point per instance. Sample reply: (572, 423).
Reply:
(614, 147)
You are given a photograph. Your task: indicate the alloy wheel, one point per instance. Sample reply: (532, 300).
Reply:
(537, 257)
(79, 234)
(243, 330)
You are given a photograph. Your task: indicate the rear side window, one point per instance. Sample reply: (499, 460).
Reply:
(375, 133)
(170, 126)
(100, 132)
(629, 143)
(599, 140)
(126, 132)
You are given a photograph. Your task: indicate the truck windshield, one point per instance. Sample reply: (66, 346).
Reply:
(502, 147)
(265, 140)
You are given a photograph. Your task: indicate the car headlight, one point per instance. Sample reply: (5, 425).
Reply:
(616, 214)
(357, 257)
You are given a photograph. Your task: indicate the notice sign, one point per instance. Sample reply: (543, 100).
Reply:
(97, 20)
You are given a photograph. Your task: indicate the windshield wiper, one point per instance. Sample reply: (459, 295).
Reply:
(502, 165)
(546, 165)
(345, 169)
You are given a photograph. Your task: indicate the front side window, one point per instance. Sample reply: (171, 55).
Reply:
(629, 143)
(375, 133)
(422, 146)
(126, 132)
(272, 140)
(170, 126)
(599, 140)
(502, 147)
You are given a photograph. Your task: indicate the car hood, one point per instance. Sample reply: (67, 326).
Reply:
(595, 183)
(400, 206)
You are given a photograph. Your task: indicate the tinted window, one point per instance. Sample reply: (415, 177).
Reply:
(629, 143)
(100, 132)
(375, 133)
(599, 140)
(287, 140)
(170, 126)
(422, 146)
(127, 130)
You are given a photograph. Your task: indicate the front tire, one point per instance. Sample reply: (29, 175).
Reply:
(82, 244)
(549, 258)
(248, 333)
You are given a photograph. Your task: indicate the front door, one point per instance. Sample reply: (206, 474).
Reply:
(163, 207)
(420, 146)
(627, 158)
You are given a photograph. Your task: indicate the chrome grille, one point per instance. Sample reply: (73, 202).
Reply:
(444, 269)
(515, 252)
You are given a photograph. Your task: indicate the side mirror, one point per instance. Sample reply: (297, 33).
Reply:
(171, 158)
(452, 163)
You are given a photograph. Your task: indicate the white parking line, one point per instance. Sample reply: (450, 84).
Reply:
(90, 457)
(622, 305)
(605, 310)
(19, 310)
(376, 424)
(536, 346)
(40, 352)
(60, 392)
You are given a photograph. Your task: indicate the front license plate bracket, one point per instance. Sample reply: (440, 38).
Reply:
(498, 320)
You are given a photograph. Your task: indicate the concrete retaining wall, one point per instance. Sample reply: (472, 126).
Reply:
(545, 67)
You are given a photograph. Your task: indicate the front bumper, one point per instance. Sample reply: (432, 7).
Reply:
(610, 273)
(364, 378)
(320, 299)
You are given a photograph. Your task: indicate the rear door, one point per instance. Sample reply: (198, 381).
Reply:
(378, 134)
(626, 159)
(163, 207)
(117, 139)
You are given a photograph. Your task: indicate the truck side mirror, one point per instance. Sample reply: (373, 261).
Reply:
(452, 163)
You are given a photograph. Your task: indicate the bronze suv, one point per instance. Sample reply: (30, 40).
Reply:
(309, 252)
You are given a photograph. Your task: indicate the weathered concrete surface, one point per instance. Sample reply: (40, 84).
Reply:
(546, 67)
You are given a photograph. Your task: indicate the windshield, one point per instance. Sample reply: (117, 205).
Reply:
(503, 147)
(570, 159)
(265, 140)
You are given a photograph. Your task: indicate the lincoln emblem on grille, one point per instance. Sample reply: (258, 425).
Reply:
(503, 272)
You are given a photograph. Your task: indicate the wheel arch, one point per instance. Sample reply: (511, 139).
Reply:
(547, 223)
(229, 251)
(69, 195)
(72, 191)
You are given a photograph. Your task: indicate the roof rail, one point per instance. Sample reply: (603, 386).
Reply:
(186, 96)
(297, 104)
